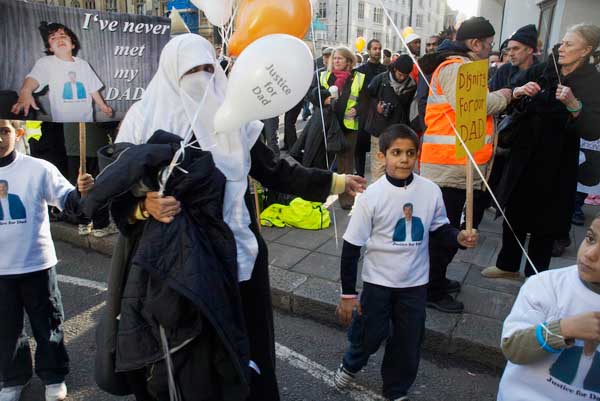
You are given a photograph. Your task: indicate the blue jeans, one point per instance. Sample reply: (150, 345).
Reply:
(37, 294)
(398, 316)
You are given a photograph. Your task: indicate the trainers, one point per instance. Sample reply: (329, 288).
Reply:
(56, 392)
(84, 229)
(495, 272)
(447, 305)
(103, 232)
(453, 286)
(343, 378)
(12, 393)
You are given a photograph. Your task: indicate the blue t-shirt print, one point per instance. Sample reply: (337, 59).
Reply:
(417, 230)
(68, 91)
(16, 209)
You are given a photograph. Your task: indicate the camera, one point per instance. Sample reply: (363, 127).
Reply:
(388, 109)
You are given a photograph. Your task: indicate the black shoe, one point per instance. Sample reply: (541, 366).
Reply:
(447, 305)
(559, 246)
(453, 286)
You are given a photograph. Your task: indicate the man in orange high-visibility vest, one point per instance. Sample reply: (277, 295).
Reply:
(474, 41)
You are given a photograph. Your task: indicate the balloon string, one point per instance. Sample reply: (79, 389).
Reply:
(312, 31)
(456, 133)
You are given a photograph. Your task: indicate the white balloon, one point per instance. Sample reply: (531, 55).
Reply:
(270, 77)
(217, 12)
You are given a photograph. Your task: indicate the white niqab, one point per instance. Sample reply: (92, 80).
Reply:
(174, 102)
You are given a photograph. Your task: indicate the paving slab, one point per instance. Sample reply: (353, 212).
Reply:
(475, 278)
(478, 338)
(272, 233)
(320, 265)
(484, 302)
(306, 239)
(438, 330)
(285, 256)
(283, 284)
(330, 247)
(317, 298)
(457, 271)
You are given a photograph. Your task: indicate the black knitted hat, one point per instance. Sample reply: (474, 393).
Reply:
(475, 28)
(527, 35)
(404, 64)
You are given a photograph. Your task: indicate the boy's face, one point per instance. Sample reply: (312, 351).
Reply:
(8, 138)
(400, 158)
(60, 43)
(588, 256)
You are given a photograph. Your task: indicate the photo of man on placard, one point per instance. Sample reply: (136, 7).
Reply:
(72, 83)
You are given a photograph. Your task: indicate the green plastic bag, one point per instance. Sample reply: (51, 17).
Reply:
(299, 214)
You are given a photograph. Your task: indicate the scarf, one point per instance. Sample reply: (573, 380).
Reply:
(397, 86)
(340, 78)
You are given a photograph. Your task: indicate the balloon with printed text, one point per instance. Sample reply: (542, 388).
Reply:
(270, 77)
(360, 44)
(218, 12)
(258, 18)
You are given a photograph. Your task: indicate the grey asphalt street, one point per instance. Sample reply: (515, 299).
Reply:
(308, 352)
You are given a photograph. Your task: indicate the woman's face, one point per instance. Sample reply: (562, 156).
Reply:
(339, 62)
(588, 256)
(573, 49)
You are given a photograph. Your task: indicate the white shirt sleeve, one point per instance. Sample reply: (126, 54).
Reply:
(361, 222)
(92, 82)
(439, 217)
(56, 187)
(40, 73)
(533, 306)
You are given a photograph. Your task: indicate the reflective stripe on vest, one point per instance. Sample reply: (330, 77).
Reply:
(439, 140)
(357, 84)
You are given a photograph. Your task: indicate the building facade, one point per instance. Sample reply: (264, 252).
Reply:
(345, 20)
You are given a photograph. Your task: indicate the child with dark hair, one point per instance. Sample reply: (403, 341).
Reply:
(72, 82)
(394, 219)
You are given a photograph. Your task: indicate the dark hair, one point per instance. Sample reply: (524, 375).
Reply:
(410, 205)
(495, 53)
(48, 29)
(370, 43)
(387, 53)
(4, 182)
(396, 131)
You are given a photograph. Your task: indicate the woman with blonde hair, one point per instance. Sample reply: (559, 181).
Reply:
(341, 91)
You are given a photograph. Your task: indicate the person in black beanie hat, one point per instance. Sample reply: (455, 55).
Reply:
(474, 41)
(392, 92)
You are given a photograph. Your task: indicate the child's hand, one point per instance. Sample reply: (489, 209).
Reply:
(345, 308)
(24, 102)
(85, 182)
(355, 184)
(106, 109)
(582, 327)
(468, 239)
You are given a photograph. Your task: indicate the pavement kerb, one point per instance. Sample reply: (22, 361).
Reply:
(316, 298)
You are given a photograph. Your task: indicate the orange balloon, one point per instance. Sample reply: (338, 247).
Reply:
(360, 43)
(258, 18)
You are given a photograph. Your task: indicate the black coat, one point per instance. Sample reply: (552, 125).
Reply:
(381, 90)
(539, 181)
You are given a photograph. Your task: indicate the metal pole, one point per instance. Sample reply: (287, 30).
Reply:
(410, 14)
(348, 24)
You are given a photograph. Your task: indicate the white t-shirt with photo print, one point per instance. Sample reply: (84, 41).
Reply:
(375, 220)
(25, 241)
(71, 84)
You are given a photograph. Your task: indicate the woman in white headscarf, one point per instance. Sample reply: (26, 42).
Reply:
(185, 93)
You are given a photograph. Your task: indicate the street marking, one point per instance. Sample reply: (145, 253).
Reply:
(82, 282)
(285, 354)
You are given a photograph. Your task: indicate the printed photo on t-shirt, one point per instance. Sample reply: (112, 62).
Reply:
(409, 229)
(575, 370)
(11, 206)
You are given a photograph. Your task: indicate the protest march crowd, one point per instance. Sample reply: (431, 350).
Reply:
(188, 311)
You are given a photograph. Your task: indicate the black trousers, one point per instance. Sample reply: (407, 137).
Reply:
(37, 294)
(269, 134)
(289, 128)
(258, 311)
(539, 251)
(363, 145)
(440, 255)
(404, 308)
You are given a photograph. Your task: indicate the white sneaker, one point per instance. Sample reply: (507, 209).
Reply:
(103, 232)
(84, 229)
(56, 392)
(12, 393)
(343, 378)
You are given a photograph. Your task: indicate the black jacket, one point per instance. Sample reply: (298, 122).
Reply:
(398, 105)
(539, 182)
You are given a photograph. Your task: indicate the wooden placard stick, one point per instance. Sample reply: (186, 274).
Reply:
(469, 207)
(256, 204)
(82, 149)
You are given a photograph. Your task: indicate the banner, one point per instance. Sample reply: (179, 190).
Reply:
(75, 65)
(471, 106)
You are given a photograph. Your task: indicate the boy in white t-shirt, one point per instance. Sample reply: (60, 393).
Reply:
(72, 82)
(394, 219)
(552, 333)
(27, 268)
